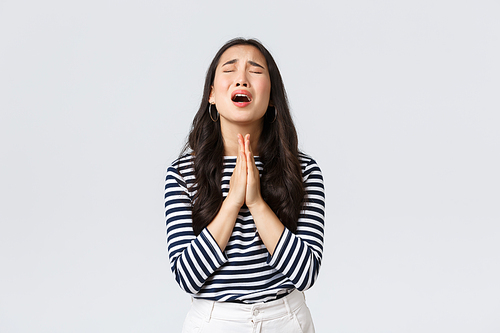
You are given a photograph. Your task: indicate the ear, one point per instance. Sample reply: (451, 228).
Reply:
(211, 98)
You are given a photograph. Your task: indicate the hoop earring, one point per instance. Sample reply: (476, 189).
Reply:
(210, 113)
(275, 113)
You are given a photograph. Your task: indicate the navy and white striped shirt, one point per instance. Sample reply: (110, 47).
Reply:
(245, 271)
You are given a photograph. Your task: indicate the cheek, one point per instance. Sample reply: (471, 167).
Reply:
(220, 85)
(265, 89)
(266, 86)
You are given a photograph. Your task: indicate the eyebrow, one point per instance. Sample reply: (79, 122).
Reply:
(253, 63)
(233, 61)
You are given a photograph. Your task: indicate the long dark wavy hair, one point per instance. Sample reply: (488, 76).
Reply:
(281, 182)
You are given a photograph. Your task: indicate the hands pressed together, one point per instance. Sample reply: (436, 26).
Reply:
(244, 186)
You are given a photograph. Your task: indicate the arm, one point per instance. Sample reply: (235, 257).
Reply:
(222, 226)
(269, 226)
(298, 256)
(192, 258)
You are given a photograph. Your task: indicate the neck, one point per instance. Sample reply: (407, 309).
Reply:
(230, 136)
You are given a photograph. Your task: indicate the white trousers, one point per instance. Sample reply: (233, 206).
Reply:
(289, 314)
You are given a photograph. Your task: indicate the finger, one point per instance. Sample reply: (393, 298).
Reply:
(239, 145)
(243, 164)
(241, 158)
(242, 146)
(248, 151)
(241, 142)
(253, 177)
(248, 147)
(251, 181)
(241, 149)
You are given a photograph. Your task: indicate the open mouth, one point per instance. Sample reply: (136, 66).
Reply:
(241, 98)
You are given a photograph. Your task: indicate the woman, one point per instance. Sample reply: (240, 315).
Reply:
(244, 207)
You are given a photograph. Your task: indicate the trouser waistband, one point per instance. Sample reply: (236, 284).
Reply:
(258, 311)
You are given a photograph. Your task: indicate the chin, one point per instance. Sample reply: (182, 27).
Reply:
(243, 120)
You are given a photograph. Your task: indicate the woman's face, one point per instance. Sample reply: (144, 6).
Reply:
(242, 85)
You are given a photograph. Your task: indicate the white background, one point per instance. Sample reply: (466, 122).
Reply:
(398, 101)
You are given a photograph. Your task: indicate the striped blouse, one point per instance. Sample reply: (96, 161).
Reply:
(244, 271)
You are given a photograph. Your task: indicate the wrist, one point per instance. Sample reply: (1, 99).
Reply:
(231, 204)
(257, 206)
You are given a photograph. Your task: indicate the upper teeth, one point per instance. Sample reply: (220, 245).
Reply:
(242, 95)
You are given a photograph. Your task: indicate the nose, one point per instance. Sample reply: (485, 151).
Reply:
(242, 80)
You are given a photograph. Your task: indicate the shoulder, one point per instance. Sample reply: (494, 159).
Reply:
(310, 168)
(181, 171)
(307, 162)
(182, 164)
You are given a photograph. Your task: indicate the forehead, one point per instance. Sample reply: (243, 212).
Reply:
(243, 53)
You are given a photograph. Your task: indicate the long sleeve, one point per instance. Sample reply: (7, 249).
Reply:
(298, 256)
(192, 258)
(244, 271)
